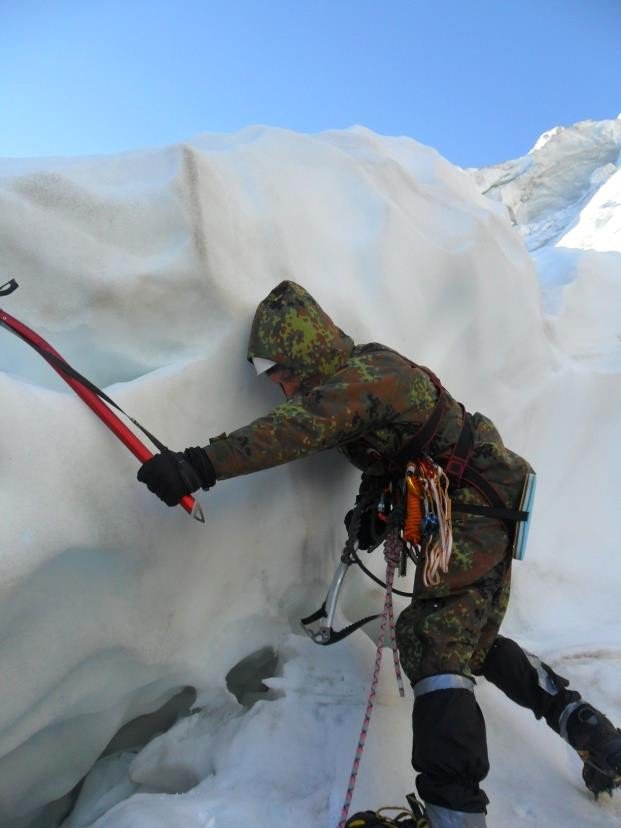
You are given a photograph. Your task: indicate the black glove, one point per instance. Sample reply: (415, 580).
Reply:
(371, 530)
(172, 475)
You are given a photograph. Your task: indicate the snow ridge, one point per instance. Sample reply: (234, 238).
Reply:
(546, 190)
(564, 198)
(118, 614)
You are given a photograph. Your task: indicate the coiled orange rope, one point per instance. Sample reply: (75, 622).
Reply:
(427, 494)
(414, 511)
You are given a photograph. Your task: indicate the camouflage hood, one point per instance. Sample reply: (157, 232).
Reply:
(291, 329)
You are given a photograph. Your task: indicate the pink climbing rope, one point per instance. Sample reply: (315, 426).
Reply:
(392, 555)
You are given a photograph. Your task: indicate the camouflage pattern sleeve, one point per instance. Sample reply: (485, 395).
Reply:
(348, 392)
(329, 415)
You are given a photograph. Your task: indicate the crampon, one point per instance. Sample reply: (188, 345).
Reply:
(598, 744)
(412, 817)
(603, 775)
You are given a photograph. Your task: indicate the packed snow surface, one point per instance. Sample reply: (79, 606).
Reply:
(119, 614)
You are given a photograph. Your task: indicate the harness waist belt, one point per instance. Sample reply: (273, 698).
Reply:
(490, 511)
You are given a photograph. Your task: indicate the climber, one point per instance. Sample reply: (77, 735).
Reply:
(378, 409)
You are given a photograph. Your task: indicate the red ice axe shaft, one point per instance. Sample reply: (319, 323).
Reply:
(97, 405)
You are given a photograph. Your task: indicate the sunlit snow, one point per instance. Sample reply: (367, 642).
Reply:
(143, 270)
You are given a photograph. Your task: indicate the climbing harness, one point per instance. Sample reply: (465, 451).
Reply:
(458, 468)
(96, 399)
(419, 504)
(431, 517)
(427, 529)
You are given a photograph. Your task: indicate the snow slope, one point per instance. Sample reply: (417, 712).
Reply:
(144, 269)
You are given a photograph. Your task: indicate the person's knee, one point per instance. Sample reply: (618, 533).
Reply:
(409, 644)
(433, 640)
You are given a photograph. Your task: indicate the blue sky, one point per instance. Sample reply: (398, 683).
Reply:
(479, 80)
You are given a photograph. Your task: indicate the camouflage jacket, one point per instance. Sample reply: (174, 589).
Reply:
(367, 401)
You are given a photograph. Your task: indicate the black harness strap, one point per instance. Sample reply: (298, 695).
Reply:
(458, 461)
(429, 428)
(490, 511)
(459, 470)
(457, 465)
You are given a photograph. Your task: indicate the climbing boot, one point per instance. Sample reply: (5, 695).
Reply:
(598, 743)
(412, 817)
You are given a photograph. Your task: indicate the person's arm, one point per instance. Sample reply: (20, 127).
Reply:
(328, 416)
(360, 398)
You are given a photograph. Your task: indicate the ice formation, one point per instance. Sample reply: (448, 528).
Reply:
(143, 270)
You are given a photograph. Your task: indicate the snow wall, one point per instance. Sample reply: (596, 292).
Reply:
(144, 270)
